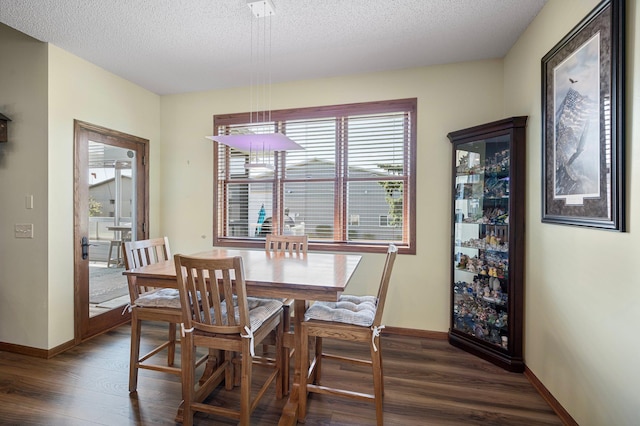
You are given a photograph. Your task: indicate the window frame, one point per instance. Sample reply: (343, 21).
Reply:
(279, 118)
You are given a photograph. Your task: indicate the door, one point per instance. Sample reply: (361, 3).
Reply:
(110, 206)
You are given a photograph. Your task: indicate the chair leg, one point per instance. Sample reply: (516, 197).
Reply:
(188, 378)
(171, 349)
(286, 364)
(378, 385)
(245, 385)
(282, 354)
(304, 371)
(230, 373)
(286, 367)
(136, 328)
(318, 370)
(381, 367)
(236, 371)
(109, 256)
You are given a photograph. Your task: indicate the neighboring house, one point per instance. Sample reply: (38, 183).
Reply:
(310, 202)
(105, 193)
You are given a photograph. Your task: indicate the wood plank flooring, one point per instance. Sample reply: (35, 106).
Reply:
(427, 382)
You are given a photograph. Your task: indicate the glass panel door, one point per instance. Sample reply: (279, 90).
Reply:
(112, 205)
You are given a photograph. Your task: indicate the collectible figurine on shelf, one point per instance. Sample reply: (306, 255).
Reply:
(478, 331)
(462, 263)
(495, 283)
(493, 271)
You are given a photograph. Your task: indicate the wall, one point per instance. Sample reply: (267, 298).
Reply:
(80, 90)
(23, 171)
(581, 284)
(43, 89)
(450, 97)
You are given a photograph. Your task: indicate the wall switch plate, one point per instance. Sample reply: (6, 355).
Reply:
(24, 230)
(28, 201)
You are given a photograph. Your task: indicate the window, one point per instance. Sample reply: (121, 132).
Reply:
(351, 188)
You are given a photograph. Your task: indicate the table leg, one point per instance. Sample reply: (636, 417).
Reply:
(290, 410)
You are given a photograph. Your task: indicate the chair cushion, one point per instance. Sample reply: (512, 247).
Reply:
(356, 310)
(259, 310)
(159, 298)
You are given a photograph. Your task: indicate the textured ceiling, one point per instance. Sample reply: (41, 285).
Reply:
(177, 46)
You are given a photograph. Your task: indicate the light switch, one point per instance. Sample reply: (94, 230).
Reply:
(28, 201)
(24, 230)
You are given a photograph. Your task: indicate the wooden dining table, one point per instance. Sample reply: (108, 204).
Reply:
(306, 277)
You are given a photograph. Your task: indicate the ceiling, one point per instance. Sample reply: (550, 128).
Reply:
(178, 46)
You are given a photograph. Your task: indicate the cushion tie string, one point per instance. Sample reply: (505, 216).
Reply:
(249, 335)
(183, 330)
(376, 332)
(128, 308)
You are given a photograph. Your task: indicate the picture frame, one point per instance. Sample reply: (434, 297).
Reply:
(583, 179)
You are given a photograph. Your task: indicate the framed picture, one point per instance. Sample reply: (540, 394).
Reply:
(583, 123)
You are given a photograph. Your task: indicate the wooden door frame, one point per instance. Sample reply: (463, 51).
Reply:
(86, 327)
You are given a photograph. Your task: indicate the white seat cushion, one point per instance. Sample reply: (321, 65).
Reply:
(356, 310)
(159, 298)
(259, 310)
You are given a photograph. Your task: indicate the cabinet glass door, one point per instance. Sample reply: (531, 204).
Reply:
(481, 240)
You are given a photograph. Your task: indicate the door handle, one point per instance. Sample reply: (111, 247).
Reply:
(85, 247)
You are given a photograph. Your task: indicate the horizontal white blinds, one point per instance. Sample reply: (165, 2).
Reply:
(348, 185)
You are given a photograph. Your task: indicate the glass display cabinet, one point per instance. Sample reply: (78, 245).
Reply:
(488, 241)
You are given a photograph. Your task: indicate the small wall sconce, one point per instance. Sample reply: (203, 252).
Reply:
(3, 127)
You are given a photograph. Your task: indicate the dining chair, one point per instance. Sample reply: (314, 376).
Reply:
(228, 321)
(121, 235)
(150, 304)
(294, 245)
(354, 319)
(117, 260)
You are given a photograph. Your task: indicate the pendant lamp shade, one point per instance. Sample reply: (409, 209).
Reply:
(250, 142)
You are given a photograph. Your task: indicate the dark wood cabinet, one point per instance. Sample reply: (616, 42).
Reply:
(488, 211)
(3, 131)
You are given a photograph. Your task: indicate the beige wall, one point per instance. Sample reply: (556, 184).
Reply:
(23, 171)
(43, 89)
(80, 90)
(449, 98)
(582, 286)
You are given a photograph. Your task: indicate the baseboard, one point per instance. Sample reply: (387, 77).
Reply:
(36, 352)
(412, 332)
(546, 395)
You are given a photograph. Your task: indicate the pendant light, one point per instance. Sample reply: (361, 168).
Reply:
(259, 146)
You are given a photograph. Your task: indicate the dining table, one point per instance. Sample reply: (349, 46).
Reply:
(314, 276)
(123, 232)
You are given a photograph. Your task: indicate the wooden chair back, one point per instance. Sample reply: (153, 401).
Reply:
(291, 244)
(145, 252)
(226, 294)
(384, 283)
(142, 253)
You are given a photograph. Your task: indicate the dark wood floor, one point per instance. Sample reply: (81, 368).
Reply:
(427, 382)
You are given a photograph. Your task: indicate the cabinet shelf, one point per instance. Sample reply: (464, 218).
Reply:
(488, 241)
